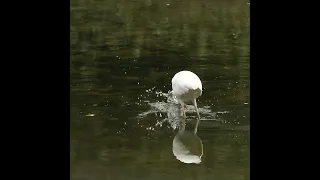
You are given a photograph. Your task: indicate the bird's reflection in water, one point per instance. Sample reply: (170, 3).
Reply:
(187, 146)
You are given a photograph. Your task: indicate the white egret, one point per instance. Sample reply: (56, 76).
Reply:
(187, 87)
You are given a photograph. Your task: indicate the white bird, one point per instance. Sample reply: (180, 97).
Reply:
(187, 87)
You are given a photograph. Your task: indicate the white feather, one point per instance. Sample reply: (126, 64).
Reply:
(186, 86)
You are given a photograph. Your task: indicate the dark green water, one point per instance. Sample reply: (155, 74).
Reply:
(123, 56)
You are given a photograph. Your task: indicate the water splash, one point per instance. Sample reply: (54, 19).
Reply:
(170, 111)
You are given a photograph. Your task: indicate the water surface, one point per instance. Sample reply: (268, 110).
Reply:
(123, 56)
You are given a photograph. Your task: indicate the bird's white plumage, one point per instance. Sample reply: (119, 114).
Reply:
(186, 85)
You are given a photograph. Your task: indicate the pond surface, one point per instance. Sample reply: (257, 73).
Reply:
(124, 123)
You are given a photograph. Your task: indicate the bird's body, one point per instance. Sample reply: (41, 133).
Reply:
(187, 87)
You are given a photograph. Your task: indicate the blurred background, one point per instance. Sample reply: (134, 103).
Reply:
(123, 55)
